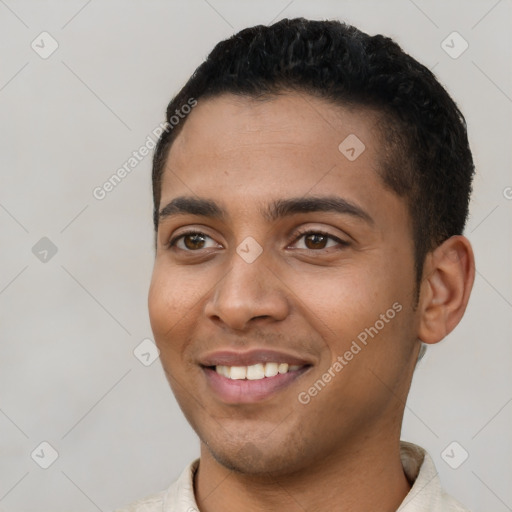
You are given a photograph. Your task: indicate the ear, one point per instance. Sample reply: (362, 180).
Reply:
(448, 278)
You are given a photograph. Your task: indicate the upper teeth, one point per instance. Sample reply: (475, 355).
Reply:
(255, 371)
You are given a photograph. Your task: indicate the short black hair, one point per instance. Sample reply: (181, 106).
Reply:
(426, 158)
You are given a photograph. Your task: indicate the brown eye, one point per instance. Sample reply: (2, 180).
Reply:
(315, 241)
(194, 241)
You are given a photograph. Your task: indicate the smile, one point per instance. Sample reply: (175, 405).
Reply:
(251, 384)
(236, 377)
(255, 371)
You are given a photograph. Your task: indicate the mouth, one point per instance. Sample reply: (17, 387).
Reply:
(256, 371)
(263, 375)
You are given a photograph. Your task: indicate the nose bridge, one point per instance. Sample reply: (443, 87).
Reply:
(244, 283)
(248, 290)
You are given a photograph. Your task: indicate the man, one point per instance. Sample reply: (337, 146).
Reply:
(309, 204)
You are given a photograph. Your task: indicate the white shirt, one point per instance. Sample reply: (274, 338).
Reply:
(426, 494)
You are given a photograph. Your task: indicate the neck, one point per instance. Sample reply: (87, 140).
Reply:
(370, 477)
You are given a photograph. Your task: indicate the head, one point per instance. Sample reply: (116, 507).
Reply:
(307, 124)
(427, 160)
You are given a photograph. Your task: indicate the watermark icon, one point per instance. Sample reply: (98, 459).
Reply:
(44, 250)
(249, 250)
(146, 352)
(44, 45)
(44, 455)
(454, 45)
(304, 397)
(351, 147)
(507, 193)
(101, 191)
(454, 455)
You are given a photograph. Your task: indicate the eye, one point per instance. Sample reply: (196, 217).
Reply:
(318, 240)
(192, 241)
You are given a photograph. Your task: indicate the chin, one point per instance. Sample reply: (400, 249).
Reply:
(256, 458)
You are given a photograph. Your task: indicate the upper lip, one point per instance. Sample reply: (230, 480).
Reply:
(248, 358)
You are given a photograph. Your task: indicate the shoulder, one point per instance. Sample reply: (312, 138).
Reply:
(450, 504)
(178, 497)
(426, 492)
(153, 503)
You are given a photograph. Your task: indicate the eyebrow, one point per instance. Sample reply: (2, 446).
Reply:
(191, 206)
(292, 206)
(278, 209)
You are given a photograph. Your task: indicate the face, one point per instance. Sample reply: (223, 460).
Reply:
(280, 248)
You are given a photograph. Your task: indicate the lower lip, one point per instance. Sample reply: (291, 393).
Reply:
(249, 391)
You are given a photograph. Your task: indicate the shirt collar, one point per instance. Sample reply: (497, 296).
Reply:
(426, 494)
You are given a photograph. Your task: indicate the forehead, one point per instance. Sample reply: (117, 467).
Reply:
(246, 153)
(225, 124)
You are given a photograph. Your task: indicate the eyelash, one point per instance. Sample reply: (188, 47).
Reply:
(299, 234)
(173, 241)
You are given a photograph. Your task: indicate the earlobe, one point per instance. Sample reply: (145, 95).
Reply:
(445, 289)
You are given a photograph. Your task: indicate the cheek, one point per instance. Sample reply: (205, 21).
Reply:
(160, 302)
(170, 321)
(342, 300)
(357, 302)
(170, 301)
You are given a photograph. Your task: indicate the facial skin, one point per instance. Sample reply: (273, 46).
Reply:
(304, 295)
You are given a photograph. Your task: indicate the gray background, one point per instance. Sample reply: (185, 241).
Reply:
(69, 325)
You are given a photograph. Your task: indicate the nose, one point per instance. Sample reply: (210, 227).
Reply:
(248, 293)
